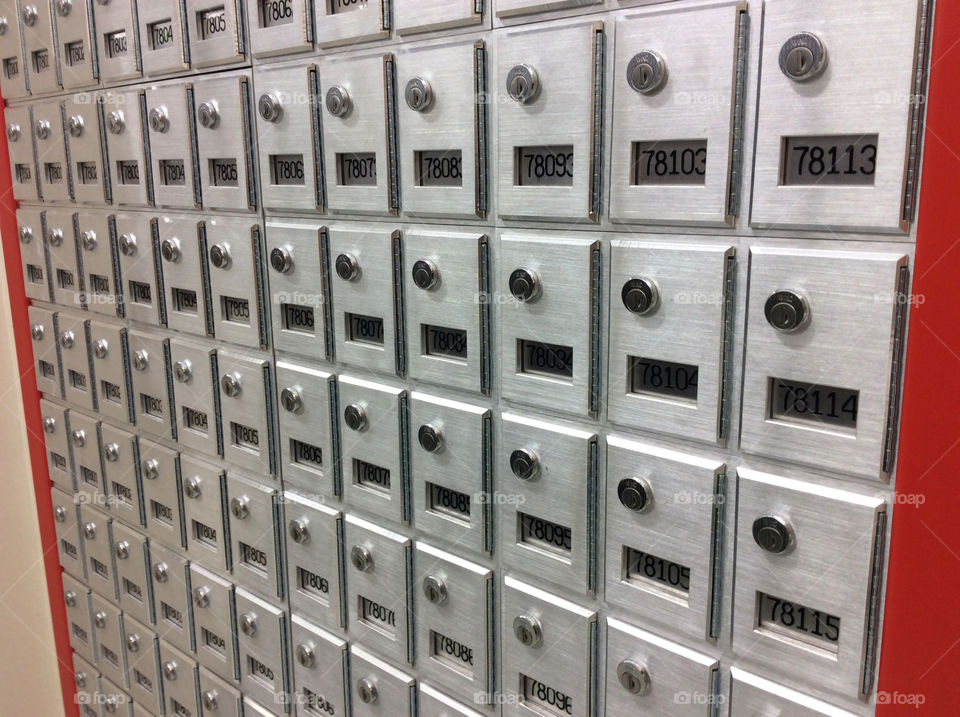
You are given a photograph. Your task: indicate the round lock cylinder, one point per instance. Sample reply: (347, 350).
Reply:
(161, 572)
(79, 438)
(418, 94)
(79, 677)
(159, 119)
(3, 26)
(100, 619)
(355, 417)
(141, 360)
(13, 132)
(305, 654)
(220, 256)
(635, 494)
(435, 590)
(55, 237)
(170, 670)
(42, 129)
(67, 339)
(633, 677)
(210, 700)
(59, 514)
(70, 598)
(269, 107)
(347, 267)
(151, 469)
(640, 296)
(299, 531)
(646, 72)
(803, 57)
(89, 240)
(116, 122)
(29, 15)
(36, 332)
(367, 691)
(133, 643)
(208, 115)
(337, 101)
(111, 452)
(230, 383)
(75, 125)
(361, 558)
(170, 250)
(201, 596)
(430, 438)
(183, 371)
(786, 310)
(524, 285)
(773, 534)
(25, 234)
(101, 348)
(525, 464)
(281, 260)
(63, 7)
(527, 630)
(291, 400)
(122, 549)
(49, 424)
(523, 83)
(127, 244)
(248, 624)
(240, 507)
(191, 487)
(425, 274)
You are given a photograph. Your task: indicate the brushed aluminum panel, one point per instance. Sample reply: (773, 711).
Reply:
(33, 252)
(162, 497)
(127, 150)
(87, 679)
(227, 700)
(131, 556)
(66, 519)
(248, 419)
(23, 153)
(77, 46)
(172, 596)
(96, 262)
(213, 622)
(430, 16)
(173, 145)
(121, 474)
(195, 395)
(163, 37)
(313, 559)
(56, 436)
(755, 696)
(79, 620)
(111, 369)
(184, 274)
(320, 680)
(832, 568)
(850, 342)
(78, 386)
(240, 282)
(264, 660)
(306, 436)
(256, 537)
(62, 253)
(152, 391)
(179, 672)
(221, 43)
(337, 24)
(108, 634)
(40, 49)
(53, 169)
(434, 702)
(396, 690)
(846, 99)
(85, 446)
(143, 664)
(142, 290)
(508, 8)
(44, 339)
(118, 41)
(204, 513)
(565, 660)
(96, 526)
(14, 77)
(280, 27)
(385, 583)
(688, 326)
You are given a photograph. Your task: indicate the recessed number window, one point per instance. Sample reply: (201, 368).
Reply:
(644, 567)
(835, 159)
(799, 621)
(674, 162)
(810, 402)
(444, 342)
(544, 698)
(545, 534)
(74, 53)
(371, 476)
(115, 43)
(546, 359)
(223, 173)
(357, 169)
(543, 166)
(297, 318)
(211, 22)
(128, 172)
(160, 34)
(449, 502)
(439, 168)
(286, 169)
(275, 12)
(338, 6)
(663, 378)
(365, 329)
(172, 172)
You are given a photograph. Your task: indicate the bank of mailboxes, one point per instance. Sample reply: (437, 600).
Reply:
(371, 387)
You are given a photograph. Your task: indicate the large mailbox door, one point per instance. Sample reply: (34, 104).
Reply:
(441, 89)
(213, 622)
(550, 155)
(46, 352)
(111, 369)
(95, 261)
(314, 537)
(256, 537)
(809, 580)
(288, 114)
(217, 32)
(138, 261)
(280, 27)
(40, 50)
(62, 253)
(66, 518)
(74, 31)
(14, 77)
(84, 435)
(173, 144)
(78, 385)
(824, 357)
(179, 671)
(204, 515)
(446, 291)
(118, 40)
(83, 116)
(163, 37)
(121, 474)
(143, 663)
(671, 337)
(127, 150)
(133, 572)
(670, 576)
(33, 253)
(263, 633)
(412, 17)
(307, 422)
(162, 493)
(183, 267)
(754, 696)
(359, 135)
(248, 413)
(550, 321)
(195, 396)
(835, 145)
(152, 398)
(379, 689)
(320, 670)
(76, 597)
(171, 595)
(23, 153)
(52, 167)
(56, 432)
(349, 22)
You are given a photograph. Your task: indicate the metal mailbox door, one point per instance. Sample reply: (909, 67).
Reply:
(127, 150)
(446, 287)
(307, 417)
(755, 696)
(671, 337)
(373, 439)
(171, 596)
(824, 354)
(118, 40)
(111, 369)
(95, 260)
(162, 497)
(808, 582)
(217, 33)
(87, 679)
(247, 412)
(40, 50)
(163, 37)
(173, 144)
(287, 115)
(33, 252)
(359, 135)
(78, 386)
(132, 559)
(85, 446)
(195, 395)
(179, 671)
(280, 27)
(204, 498)
(121, 460)
(96, 526)
(108, 635)
(136, 254)
(46, 354)
(455, 613)
(429, 16)
(649, 676)
(76, 597)
(434, 702)
(675, 158)
(548, 509)
(350, 22)
(256, 536)
(378, 573)
(550, 156)
(143, 663)
(83, 113)
(836, 146)
(314, 539)
(263, 633)
(113, 698)
(378, 688)
(548, 648)
(52, 167)
(74, 31)
(671, 577)
(213, 622)
(452, 470)
(62, 253)
(320, 670)
(550, 326)
(297, 285)
(366, 318)
(509, 9)
(14, 72)
(225, 142)
(152, 401)
(183, 265)
(66, 519)
(23, 154)
(237, 280)
(56, 432)
(219, 697)
(442, 125)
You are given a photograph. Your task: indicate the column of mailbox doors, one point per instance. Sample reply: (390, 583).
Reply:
(466, 421)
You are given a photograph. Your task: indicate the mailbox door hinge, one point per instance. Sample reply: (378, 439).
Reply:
(735, 177)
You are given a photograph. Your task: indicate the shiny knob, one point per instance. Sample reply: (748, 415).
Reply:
(634, 494)
(347, 267)
(127, 244)
(133, 643)
(208, 115)
(646, 72)
(79, 438)
(161, 572)
(425, 274)
(291, 400)
(418, 94)
(141, 359)
(170, 670)
(269, 107)
(55, 237)
(430, 438)
(525, 464)
(100, 619)
(355, 417)
(151, 469)
(49, 424)
(524, 285)
(36, 331)
(25, 234)
(523, 83)
(89, 240)
(75, 125)
(191, 487)
(80, 677)
(41, 127)
(248, 624)
(210, 702)
(338, 101)
(281, 260)
(63, 7)
(640, 296)
(3, 26)
(111, 452)
(803, 57)
(122, 549)
(29, 15)
(70, 598)
(230, 383)
(90, 531)
(240, 507)
(159, 119)
(67, 339)
(527, 630)
(13, 132)
(60, 514)
(170, 249)
(773, 534)
(435, 590)
(305, 654)
(116, 122)
(786, 310)
(201, 596)
(220, 256)
(361, 558)
(299, 531)
(183, 371)
(633, 677)
(101, 348)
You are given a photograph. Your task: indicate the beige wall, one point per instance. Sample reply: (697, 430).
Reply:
(29, 681)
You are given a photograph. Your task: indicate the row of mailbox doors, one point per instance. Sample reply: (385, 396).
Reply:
(824, 326)
(356, 133)
(418, 605)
